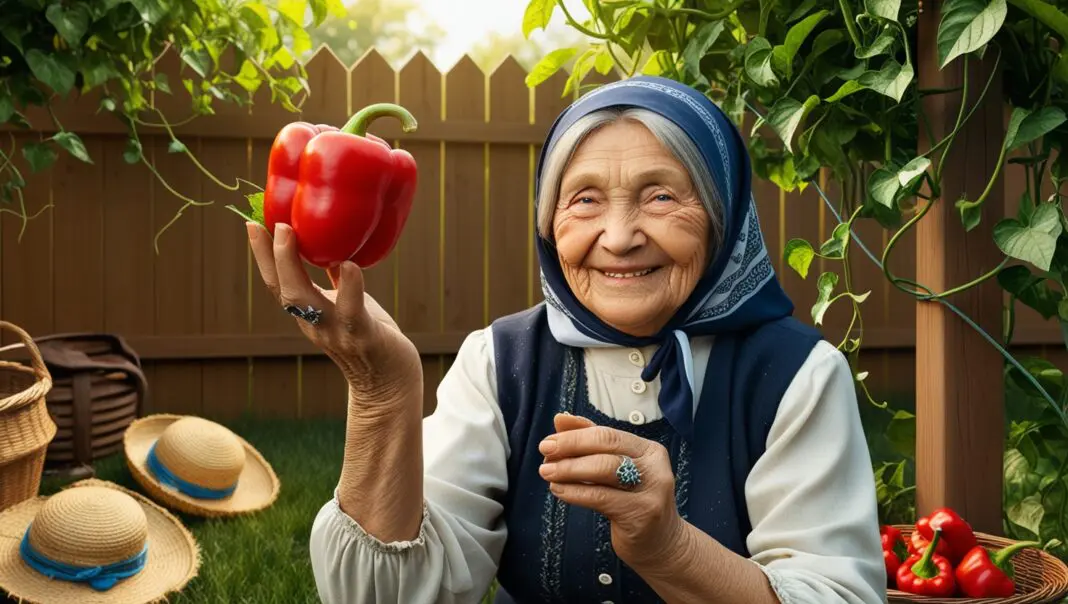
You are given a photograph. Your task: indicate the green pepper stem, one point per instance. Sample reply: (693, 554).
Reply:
(360, 121)
(1001, 558)
(925, 568)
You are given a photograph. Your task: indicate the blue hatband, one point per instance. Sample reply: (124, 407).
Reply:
(100, 578)
(168, 478)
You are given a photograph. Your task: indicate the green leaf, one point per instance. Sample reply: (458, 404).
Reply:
(255, 202)
(14, 34)
(967, 25)
(1035, 242)
(162, 83)
(882, 44)
(834, 248)
(846, 89)
(786, 115)
(604, 61)
(40, 156)
(901, 433)
(801, 10)
(537, 15)
(200, 60)
(909, 175)
(659, 62)
(177, 146)
(883, 186)
(548, 65)
(1031, 126)
(1028, 513)
(151, 10)
(699, 44)
(892, 80)
(7, 108)
(97, 69)
(795, 37)
(133, 153)
(73, 144)
(825, 286)
(56, 74)
(799, 255)
(758, 63)
(886, 9)
(71, 23)
(1030, 289)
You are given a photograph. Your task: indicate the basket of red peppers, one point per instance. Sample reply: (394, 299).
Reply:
(941, 559)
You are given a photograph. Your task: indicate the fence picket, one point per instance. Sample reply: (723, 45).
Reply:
(509, 193)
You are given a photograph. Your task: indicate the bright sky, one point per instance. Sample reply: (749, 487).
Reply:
(467, 21)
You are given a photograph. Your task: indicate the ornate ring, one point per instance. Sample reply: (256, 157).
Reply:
(309, 314)
(627, 473)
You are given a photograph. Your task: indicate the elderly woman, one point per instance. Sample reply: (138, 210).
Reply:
(658, 430)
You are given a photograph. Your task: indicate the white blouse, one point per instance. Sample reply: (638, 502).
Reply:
(811, 496)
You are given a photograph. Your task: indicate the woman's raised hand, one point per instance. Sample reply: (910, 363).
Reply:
(379, 362)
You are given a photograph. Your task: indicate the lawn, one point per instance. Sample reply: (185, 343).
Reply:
(263, 558)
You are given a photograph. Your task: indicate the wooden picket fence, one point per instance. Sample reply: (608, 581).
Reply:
(212, 339)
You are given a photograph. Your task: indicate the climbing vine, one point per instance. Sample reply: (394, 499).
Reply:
(52, 50)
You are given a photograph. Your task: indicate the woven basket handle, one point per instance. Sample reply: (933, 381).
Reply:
(44, 379)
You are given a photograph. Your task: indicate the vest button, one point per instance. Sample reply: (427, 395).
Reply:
(636, 417)
(636, 358)
(637, 386)
(605, 579)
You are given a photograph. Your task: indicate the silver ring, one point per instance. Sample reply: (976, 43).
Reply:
(627, 473)
(309, 314)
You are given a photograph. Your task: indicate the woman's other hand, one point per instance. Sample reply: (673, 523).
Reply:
(581, 460)
(379, 362)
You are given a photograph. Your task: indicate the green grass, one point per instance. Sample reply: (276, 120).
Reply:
(262, 558)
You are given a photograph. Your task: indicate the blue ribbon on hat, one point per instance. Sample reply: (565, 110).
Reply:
(168, 478)
(100, 578)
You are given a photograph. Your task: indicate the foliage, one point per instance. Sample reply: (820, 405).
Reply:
(830, 85)
(52, 50)
(394, 28)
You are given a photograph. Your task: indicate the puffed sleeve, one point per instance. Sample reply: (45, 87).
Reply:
(811, 496)
(454, 558)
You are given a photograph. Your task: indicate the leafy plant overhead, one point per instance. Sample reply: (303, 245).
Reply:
(826, 89)
(51, 50)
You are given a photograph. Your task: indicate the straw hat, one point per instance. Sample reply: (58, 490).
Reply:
(197, 466)
(145, 550)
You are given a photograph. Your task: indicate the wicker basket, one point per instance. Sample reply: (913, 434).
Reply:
(1040, 577)
(26, 428)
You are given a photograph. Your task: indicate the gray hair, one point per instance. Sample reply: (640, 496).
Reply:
(667, 132)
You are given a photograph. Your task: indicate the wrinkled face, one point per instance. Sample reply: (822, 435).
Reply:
(630, 230)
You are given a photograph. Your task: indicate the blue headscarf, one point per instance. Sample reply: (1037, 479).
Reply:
(738, 289)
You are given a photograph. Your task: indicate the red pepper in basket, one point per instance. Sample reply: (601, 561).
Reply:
(893, 551)
(347, 194)
(917, 544)
(981, 574)
(929, 574)
(956, 532)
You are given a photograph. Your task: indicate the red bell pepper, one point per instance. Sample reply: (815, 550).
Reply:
(929, 574)
(347, 194)
(893, 551)
(917, 544)
(981, 574)
(956, 532)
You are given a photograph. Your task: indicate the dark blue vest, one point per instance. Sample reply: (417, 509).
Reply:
(560, 553)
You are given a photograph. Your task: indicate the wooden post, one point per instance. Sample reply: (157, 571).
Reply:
(959, 387)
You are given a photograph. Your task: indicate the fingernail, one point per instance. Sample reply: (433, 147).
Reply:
(253, 230)
(281, 233)
(548, 446)
(547, 470)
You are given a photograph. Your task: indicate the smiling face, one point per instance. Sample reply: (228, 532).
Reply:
(630, 230)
